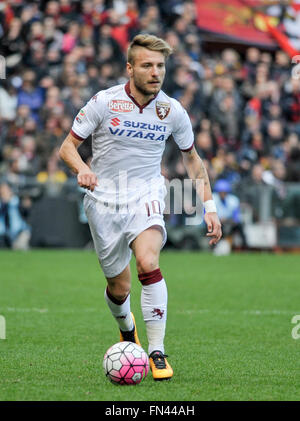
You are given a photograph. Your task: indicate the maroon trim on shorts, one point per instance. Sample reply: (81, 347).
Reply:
(76, 135)
(141, 107)
(114, 300)
(150, 277)
(189, 149)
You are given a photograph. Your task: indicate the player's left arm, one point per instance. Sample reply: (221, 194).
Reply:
(197, 172)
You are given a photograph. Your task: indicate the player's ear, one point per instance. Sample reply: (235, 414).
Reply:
(129, 69)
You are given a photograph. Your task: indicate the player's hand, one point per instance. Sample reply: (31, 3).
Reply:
(214, 227)
(87, 179)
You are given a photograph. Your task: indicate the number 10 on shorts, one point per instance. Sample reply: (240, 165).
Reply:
(153, 208)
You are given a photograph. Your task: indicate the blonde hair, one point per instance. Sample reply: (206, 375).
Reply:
(151, 42)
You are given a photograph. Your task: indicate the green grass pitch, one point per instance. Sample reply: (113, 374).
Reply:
(228, 333)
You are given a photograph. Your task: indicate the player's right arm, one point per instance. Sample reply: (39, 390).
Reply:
(68, 152)
(84, 124)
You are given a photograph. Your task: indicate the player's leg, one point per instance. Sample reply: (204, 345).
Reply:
(154, 297)
(117, 296)
(114, 256)
(146, 248)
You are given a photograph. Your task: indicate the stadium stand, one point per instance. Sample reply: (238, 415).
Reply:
(244, 106)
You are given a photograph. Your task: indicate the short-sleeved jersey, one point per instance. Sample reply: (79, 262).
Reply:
(128, 140)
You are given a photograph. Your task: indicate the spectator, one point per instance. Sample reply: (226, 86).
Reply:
(31, 95)
(281, 68)
(150, 21)
(53, 177)
(293, 169)
(14, 232)
(276, 177)
(251, 63)
(291, 104)
(231, 169)
(228, 208)
(224, 106)
(204, 144)
(70, 38)
(13, 44)
(274, 136)
(261, 196)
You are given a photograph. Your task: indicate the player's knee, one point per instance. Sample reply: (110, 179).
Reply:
(146, 263)
(119, 290)
(119, 295)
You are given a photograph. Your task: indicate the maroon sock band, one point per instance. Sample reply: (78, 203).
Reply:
(114, 300)
(150, 277)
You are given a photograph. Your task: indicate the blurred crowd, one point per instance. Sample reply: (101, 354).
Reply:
(244, 107)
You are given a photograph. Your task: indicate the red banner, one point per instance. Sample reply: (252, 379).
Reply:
(237, 20)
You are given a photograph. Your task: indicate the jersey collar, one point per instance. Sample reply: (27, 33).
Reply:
(141, 107)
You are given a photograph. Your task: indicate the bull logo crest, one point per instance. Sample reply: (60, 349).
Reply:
(162, 109)
(157, 312)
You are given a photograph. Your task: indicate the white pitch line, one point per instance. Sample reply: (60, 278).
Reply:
(246, 312)
(25, 310)
(46, 310)
(185, 312)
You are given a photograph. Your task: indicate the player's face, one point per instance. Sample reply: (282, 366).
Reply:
(147, 71)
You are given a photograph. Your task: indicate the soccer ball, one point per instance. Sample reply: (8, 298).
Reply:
(125, 363)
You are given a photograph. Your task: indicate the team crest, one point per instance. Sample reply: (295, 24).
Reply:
(162, 109)
(157, 312)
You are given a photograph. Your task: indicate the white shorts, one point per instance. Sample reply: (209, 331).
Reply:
(114, 229)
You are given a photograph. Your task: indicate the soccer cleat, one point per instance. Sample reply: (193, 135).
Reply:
(161, 369)
(131, 335)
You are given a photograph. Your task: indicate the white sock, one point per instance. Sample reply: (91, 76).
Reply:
(120, 310)
(154, 298)
(155, 334)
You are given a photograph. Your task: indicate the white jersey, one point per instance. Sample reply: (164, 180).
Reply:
(128, 140)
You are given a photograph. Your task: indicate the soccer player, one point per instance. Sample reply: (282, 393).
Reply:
(124, 203)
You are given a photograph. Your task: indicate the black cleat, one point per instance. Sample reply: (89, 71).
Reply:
(131, 335)
(161, 369)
